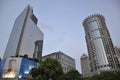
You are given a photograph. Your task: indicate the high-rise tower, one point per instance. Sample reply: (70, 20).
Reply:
(100, 47)
(26, 41)
(24, 35)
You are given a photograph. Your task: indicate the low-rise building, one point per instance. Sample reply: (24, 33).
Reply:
(66, 61)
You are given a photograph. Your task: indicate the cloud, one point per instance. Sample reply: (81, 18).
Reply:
(47, 27)
(74, 43)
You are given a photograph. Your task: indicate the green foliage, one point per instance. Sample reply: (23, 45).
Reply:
(96, 77)
(74, 75)
(50, 68)
(25, 56)
(63, 77)
(71, 75)
(36, 60)
(34, 72)
(87, 78)
(38, 77)
(118, 74)
(107, 75)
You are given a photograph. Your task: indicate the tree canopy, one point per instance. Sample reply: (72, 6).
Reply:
(106, 75)
(35, 72)
(74, 75)
(71, 75)
(109, 75)
(48, 69)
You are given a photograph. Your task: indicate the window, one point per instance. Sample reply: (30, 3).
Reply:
(33, 17)
(92, 25)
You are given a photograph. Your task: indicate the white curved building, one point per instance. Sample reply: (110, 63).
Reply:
(100, 47)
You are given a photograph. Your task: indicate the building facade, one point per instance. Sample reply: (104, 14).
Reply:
(66, 61)
(85, 65)
(26, 38)
(99, 44)
(117, 53)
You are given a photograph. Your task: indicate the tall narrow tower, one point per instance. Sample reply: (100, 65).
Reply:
(24, 35)
(100, 47)
(85, 65)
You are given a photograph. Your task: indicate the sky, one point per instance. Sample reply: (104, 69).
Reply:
(61, 23)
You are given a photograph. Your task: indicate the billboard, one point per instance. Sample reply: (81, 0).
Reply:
(11, 68)
(16, 67)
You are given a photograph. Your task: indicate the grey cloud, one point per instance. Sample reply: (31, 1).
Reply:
(45, 26)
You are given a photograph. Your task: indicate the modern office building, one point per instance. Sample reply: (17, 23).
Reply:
(15, 68)
(99, 44)
(66, 61)
(26, 38)
(85, 65)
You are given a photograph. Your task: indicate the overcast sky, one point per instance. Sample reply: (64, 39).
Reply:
(61, 22)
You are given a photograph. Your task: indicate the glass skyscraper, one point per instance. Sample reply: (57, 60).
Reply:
(24, 36)
(24, 45)
(99, 44)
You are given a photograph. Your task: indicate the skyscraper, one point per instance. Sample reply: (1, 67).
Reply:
(99, 44)
(85, 65)
(26, 38)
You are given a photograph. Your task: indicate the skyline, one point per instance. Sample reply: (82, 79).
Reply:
(61, 23)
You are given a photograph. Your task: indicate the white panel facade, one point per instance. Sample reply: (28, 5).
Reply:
(24, 35)
(31, 34)
(15, 35)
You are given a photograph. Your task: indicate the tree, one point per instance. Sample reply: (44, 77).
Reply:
(36, 60)
(96, 77)
(34, 72)
(74, 75)
(25, 56)
(108, 75)
(87, 78)
(71, 75)
(63, 77)
(118, 74)
(48, 69)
